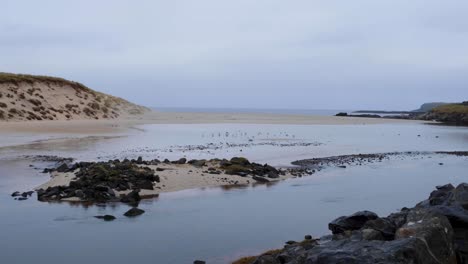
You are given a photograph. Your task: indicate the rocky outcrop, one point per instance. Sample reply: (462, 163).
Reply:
(122, 181)
(28, 97)
(99, 182)
(435, 231)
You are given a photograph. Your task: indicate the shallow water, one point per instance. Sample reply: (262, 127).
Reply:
(261, 143)
(218, 224)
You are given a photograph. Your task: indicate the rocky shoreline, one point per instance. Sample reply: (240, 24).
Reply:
(128, 181)
(435, 231)
(343, 161)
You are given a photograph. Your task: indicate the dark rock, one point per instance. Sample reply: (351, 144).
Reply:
(266, 259)
(139, 160)
(197, 163)
(308, 237)
(260, 179)
(199, 262)
(180, 161)
(342, 114)
(106, 217)
(273, 175)
(146, 185)
(236, 170)
(134, 212)
(353, 222)
(21, 198)
(385, 227)
(15, 194)
(240, 161)
(79, 193)
(132, 198)
(63, 168)
(433, 232)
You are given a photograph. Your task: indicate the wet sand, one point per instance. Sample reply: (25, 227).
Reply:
(122, 125)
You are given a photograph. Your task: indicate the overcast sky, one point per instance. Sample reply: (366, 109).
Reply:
(302, 54)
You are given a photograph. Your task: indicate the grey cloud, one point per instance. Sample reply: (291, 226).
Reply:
(267, 53)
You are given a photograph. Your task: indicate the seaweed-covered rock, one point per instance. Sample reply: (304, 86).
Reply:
(96, 182)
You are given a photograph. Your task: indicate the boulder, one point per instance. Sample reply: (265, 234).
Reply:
(353, 222)
(139, 160)
(132, 198)
(145, 185)
(240, 161)
(63, 168)
(180, 161)
(134, 212)
(386, 228)
(273, 175)
(197, 163)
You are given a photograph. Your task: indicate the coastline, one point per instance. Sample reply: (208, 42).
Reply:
(105, 126)
(176, 177)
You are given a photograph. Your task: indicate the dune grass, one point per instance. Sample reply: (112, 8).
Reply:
(18, 78)
(452, 108)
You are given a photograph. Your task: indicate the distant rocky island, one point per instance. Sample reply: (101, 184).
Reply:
(448, 113)
(29, 97)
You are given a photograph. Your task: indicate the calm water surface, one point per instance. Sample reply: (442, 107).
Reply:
(217, 224)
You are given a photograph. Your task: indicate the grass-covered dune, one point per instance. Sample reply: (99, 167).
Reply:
(31, 97)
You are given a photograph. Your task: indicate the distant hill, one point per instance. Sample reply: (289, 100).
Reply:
(30, 97)
(449, 113)
(429, 106)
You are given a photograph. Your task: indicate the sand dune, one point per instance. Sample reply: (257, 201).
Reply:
(27, 98)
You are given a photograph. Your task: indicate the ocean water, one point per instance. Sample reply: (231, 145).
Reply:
(315, 112)
(221, 224)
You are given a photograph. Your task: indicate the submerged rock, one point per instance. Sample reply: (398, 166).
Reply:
(106, 217)
(134, 212)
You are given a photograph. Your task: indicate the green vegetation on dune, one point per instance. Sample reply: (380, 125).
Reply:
(18, 78)
(453, 108)
(450, 113)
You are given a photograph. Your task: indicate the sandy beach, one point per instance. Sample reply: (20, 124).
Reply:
(125, 123)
